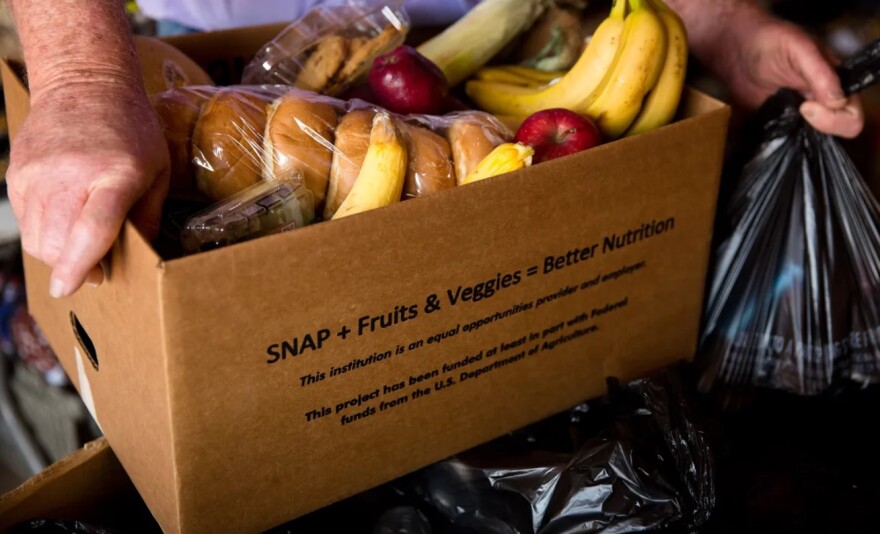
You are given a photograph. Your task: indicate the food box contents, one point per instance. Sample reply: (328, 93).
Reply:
(263, 209)
(608, 83)
(350, 156)
(368, 148)
(331, 46)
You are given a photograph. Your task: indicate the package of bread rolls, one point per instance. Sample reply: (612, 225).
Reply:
(349, 156)
(331, 46)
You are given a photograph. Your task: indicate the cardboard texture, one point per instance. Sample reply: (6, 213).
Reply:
(252, 384)
(87, 485)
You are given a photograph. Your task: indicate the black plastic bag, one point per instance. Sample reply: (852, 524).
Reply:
(647, 468)
(794, 302)
(57, 526)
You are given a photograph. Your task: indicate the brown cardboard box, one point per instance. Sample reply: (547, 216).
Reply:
(88, 485)
(252, 384)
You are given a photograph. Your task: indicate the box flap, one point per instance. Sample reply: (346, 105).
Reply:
(224, 54)
(87, 485)
(695, 103)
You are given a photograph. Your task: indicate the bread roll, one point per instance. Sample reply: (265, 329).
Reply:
(429, 167)
(228, 143)
(472, 136)
(352, 141)
(299, 137)
(165, 67)
(179, 112)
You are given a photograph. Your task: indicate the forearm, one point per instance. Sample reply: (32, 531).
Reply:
(715, 27)
(69, 44)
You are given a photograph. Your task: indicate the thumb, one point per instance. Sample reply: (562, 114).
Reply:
(91, 236)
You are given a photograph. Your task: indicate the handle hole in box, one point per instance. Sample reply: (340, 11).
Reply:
(84, 340)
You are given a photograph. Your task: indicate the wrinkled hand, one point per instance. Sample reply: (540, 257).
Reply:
(82, 160)
(768, 54)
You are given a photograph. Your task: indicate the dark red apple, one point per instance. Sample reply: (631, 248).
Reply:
(405, 81)
(555, 133)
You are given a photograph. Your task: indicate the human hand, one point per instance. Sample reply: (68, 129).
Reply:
(85, 156)
(763, 54)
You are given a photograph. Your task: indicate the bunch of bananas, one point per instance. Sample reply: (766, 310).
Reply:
(628, 80)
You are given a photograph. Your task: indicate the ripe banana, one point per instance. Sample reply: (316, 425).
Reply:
(506, 157)
(573, 91)
(534, 74)
(635, 71)
(380, 180)
(518, 75)
(470, 43)
(662, 102)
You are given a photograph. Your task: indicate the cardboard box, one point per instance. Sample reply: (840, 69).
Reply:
(88, 485)
(246, 386)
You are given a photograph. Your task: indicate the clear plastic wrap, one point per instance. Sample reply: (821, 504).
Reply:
(224, 141)
(794, 302)
(331, 46)
(260, 210)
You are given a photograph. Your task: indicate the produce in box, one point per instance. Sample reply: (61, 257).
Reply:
(345, 157)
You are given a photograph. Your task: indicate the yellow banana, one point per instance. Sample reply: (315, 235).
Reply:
(506, 157)
(572, 91)
(518, 75)
(380, 180)
(499, 74)
(662, 102)
(634, 73)
(534, 74)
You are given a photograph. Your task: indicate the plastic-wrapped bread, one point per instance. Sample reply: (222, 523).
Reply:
(178, 113)
(350, 148)
(472, 136)
(299, 140)
(228, 142)
(430, 162)
(243, 136)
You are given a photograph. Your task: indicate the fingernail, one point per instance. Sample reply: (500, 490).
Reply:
(95, 277)
(56, 288)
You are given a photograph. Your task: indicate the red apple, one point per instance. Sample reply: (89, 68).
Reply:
(555, 133)
(405, 81)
